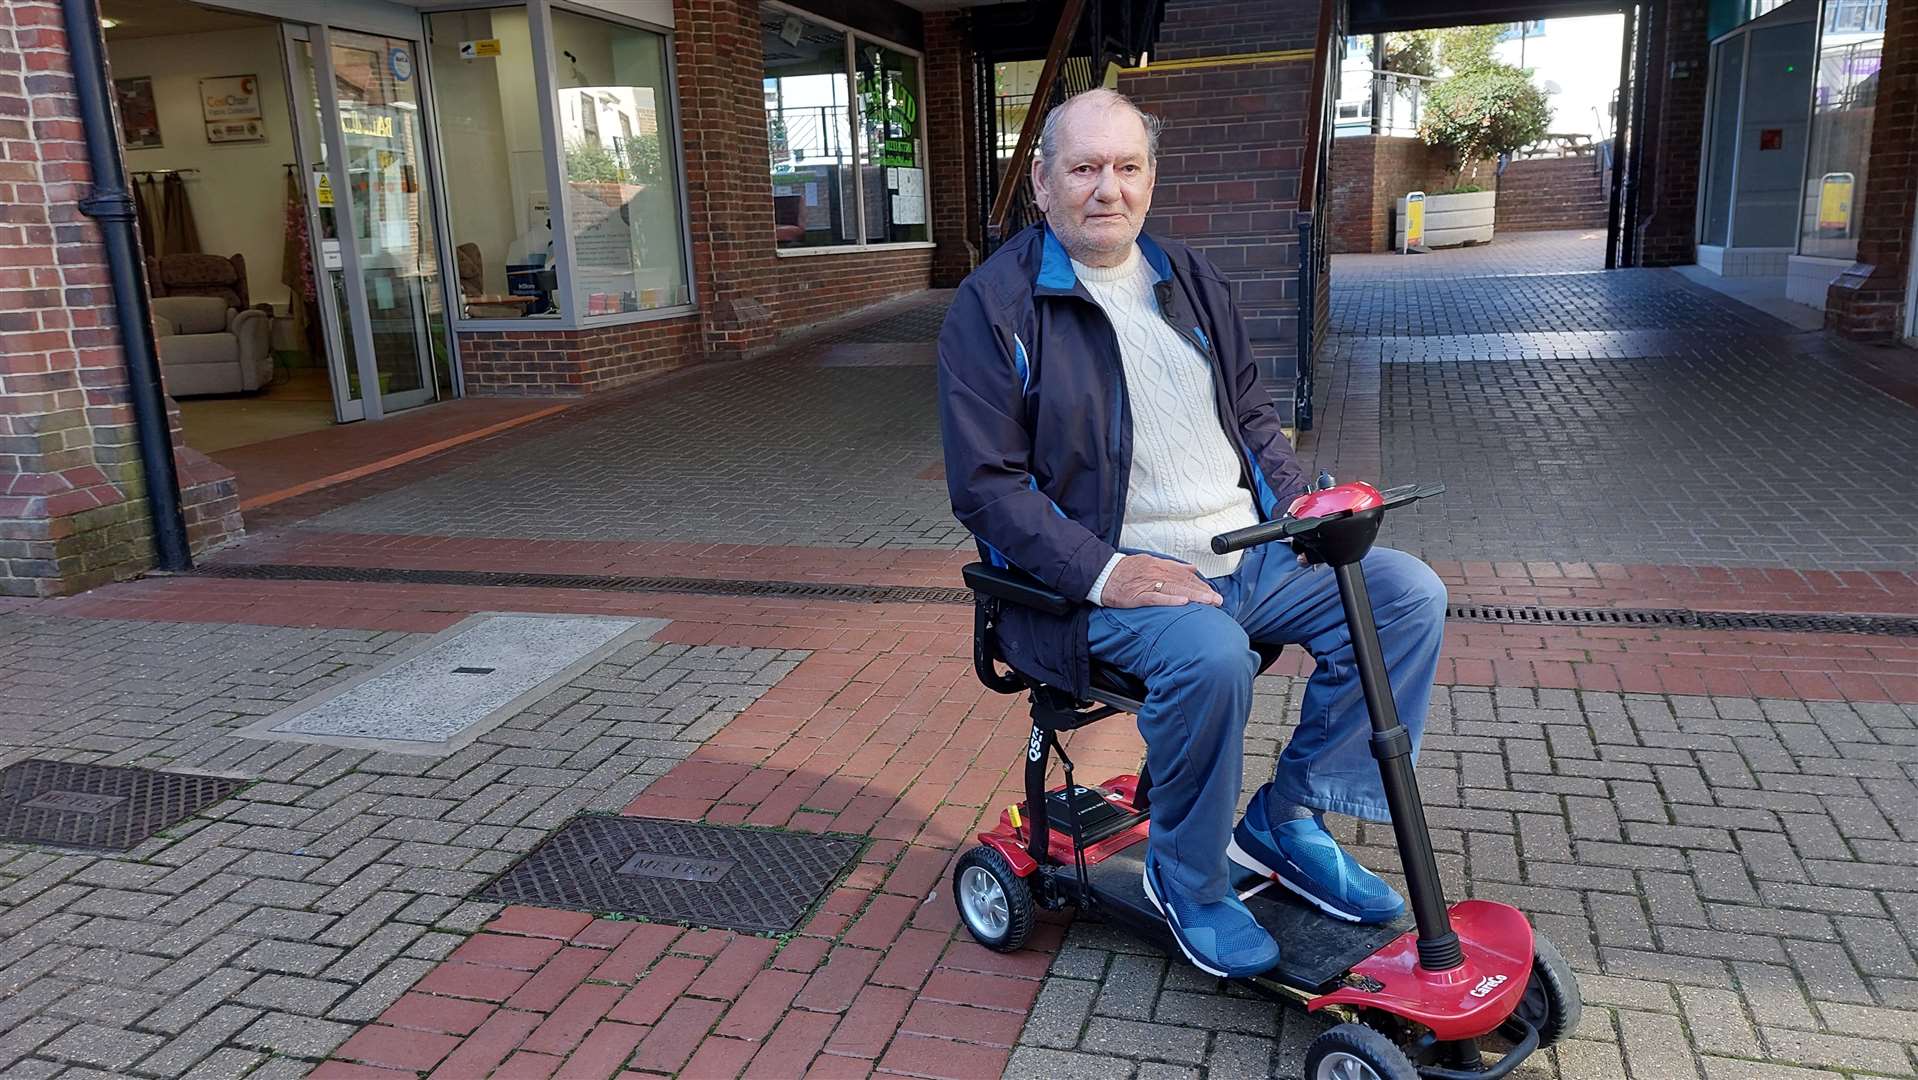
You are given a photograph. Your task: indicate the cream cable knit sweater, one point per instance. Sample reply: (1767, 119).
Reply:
(1184, 487)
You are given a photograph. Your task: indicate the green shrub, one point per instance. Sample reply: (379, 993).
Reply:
(1484, 112)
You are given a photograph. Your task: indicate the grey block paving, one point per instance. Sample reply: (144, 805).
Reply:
(1622, 417)
(1701, 951)
(261, 934)
(828, 445)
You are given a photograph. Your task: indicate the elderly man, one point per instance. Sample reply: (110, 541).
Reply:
(1103, 420)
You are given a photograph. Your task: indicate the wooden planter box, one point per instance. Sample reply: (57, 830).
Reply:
(1451, 220)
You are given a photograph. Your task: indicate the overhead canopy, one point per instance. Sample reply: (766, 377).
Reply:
(1381, 16)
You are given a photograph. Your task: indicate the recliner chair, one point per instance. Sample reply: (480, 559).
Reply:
(207, 347)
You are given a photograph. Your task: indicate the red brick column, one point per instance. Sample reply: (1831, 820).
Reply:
(1675, 119)
(72, 508)
(953, 147)
(1232, 81)
(1868, 301)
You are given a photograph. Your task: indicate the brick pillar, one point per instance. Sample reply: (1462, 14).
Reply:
(950, 130)
(1232, 79)
(1675, 122)
(728, 186)
(72, 509)
(1867, 302)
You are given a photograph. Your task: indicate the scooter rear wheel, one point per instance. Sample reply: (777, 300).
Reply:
(994, 902)
(1356, 1052)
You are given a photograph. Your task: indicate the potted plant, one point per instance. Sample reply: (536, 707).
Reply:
(1482, 110)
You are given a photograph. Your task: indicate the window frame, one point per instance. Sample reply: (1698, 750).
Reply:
(539, 16)
(856, 124)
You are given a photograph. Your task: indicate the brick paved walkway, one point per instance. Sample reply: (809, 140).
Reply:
(1717, 828)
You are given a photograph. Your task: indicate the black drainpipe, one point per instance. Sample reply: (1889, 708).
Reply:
(111, 204)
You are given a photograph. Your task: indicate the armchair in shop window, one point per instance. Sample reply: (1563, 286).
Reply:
(199, 274)
(207, 347)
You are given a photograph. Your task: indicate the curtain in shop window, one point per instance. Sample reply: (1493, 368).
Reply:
(178, 234)
(143, 215)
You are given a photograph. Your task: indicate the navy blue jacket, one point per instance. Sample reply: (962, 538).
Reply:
(1038, 429)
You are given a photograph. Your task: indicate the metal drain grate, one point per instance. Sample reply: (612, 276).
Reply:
(704, 875)
(803, 590)
(1790, 622)
(99, 806)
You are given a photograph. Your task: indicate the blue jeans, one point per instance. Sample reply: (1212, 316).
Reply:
(1197, 664)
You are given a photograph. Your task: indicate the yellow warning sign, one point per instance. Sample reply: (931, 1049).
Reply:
(472, 50)
(1834, 202)
(1414, 220)
(323, 188)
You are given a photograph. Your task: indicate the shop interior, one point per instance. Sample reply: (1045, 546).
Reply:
(256, 342)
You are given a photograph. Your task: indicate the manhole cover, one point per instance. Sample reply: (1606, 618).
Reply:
(99, 806)
(705, 875)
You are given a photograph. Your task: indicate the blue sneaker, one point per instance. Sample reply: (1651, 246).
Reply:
(1303, 857)
(1222, 938)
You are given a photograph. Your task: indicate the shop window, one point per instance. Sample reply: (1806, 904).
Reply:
(845, 136)
(489, 135)
(620, 166)
(891, 152)
(809, 132)
(1845, 93)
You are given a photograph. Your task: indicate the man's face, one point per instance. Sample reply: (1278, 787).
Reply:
(1096, 190)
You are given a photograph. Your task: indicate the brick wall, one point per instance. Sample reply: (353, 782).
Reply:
(1675, 117)
(1232, 151)
(1368, 175)
(1348, 194)
(1551, 193)
(949, 123)
(72, 511)
(1867, 302)
(536, 363)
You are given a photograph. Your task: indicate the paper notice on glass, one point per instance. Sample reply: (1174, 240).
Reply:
(908, 210)
(812, 194)
(909, 198)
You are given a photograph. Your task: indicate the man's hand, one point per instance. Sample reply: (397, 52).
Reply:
(1149, 581)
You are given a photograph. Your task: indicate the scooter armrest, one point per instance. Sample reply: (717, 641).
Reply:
(1016, 587)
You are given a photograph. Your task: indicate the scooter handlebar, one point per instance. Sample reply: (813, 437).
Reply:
(1286, 528)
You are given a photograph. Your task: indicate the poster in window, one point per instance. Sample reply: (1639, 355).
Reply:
(230, 105)
(139, 117)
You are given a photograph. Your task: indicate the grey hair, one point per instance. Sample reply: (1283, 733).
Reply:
(1049, 135)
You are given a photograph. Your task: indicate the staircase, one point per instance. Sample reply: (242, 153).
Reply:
(1552, 193)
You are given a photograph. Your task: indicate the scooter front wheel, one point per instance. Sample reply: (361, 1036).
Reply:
(994, 902)
(1551, 1003)
(1356, 1052)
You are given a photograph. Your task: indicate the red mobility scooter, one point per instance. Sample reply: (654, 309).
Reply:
(1414, 996)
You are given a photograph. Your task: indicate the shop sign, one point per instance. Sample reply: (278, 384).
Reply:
(1414, 220)
(400, 62)
(358, 123)
(1834, 203)
(473, 50)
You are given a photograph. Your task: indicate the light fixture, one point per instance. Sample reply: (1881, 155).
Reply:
(107, 23)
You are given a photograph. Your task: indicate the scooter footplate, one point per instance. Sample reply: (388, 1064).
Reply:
(1315, 950)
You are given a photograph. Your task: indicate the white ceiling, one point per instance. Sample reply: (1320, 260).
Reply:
(153, 18)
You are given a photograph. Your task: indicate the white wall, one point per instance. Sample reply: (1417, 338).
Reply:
(239, 194)
(1581, 56)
